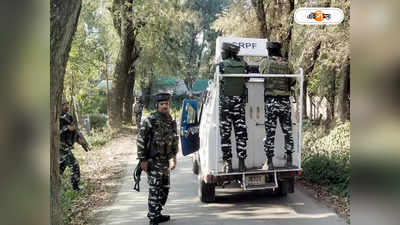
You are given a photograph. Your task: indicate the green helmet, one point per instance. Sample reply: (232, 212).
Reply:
(274, 48)
(229, 49)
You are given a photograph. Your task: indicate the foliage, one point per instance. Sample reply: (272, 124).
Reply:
(92, 52)
(97, 120)
(326, 156)
(238, 20)
(101, 136)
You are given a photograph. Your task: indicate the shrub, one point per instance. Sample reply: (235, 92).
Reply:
(97, 120)
(326, 157)
(101, 136)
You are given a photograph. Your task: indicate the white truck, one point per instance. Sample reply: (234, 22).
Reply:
(200, 122)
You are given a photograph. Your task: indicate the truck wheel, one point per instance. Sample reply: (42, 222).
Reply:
(195, 167)
(206, 191)
(283, 188)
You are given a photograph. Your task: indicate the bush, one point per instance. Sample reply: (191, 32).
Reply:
(326, 157)
(101, 136)
(97, 120)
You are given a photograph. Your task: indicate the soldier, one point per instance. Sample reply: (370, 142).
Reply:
(232, 107)
(138, 112)
(68, 136)
(277, 103)
(157, 146)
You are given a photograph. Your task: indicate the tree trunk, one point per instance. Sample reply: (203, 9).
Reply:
(344, 93)
(305, 84)
(107, 86)
(128, 54)
(123, 63)
(63, 22)
(129, 98)
(147, 93)
(259, 8)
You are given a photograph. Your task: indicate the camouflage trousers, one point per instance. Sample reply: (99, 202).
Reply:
(277, 107)
(158, 180)
(68, 159)
(232, 112)
(138, 120)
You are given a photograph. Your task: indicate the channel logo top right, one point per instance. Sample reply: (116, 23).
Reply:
(318, 16)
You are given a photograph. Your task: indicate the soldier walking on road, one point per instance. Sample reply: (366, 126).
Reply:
(277, 103)
(232, 106)
(68, 136)
(137, 109)
(157, 146)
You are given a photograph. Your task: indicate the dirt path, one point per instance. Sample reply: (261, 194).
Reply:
(102, 170)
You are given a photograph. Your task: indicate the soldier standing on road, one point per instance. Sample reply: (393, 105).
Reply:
(277, 103)
(137, 109)
(157, 146)
(232, 106)
(67, 139)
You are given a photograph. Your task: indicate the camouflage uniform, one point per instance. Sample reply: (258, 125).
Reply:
(67, 139)
(157, 143)
(232, 107)
(138, 113)
(277, 103)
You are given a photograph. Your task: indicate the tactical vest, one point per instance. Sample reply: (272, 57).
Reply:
(276, 85)
(233, 86)
(164, 140)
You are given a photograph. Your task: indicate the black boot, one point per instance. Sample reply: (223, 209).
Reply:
(242, 166)
(289, 160)
(227, 166)
(160, 219)
(268, 165)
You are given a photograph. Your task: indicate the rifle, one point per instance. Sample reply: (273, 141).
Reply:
(80, 139)
(78, 136)
(136, 176)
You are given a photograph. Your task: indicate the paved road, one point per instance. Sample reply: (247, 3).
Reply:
(231, 208)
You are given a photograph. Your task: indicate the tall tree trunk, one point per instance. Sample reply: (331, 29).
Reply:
(147, 93)
(129, 98)
(305, 84)
(259, 8)
(63, 22)
(107, 86)
(125, 59)
(344, 93)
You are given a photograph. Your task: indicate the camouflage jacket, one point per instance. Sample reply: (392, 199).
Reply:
(66, 136)
(138, 108)
(157, 137)
(231, 86)
(275, 86)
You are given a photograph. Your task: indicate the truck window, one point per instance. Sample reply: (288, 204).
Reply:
(191, 115)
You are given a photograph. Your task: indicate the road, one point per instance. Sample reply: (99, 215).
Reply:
(232, 207)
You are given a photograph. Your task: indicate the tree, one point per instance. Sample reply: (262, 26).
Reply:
(92, 52)
(124, 74)
(63, 21)
(259, 8)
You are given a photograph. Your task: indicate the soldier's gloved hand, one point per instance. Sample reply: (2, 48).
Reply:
(144, 165)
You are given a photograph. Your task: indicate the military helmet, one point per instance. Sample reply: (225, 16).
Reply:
(64, 101)
(274, 48)
(162, 96)
(229, 47)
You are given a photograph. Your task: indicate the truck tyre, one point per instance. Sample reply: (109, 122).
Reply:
(195, 168)
(283, 188)
(206, 191)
